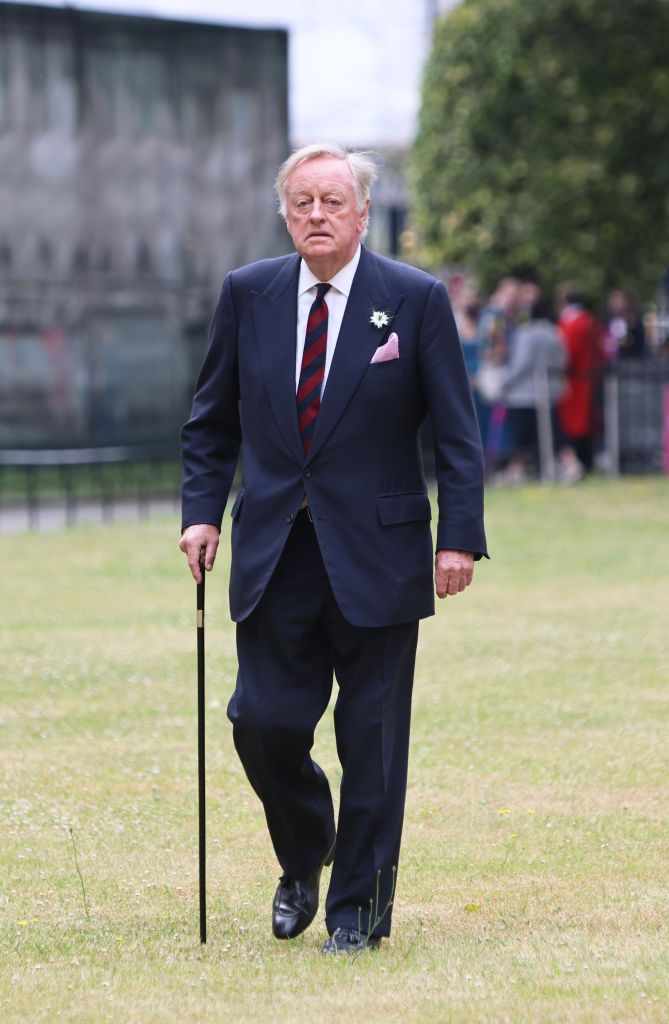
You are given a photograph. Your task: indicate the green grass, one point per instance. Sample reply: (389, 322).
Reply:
(533, 885)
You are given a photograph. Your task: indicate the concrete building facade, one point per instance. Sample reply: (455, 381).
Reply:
(136, 164)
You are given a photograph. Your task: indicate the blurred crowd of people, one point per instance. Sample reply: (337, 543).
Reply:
(536, 364)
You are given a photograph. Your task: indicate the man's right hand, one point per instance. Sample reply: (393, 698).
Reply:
(199, 544)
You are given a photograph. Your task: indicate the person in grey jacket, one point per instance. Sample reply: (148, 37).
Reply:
(531, 385)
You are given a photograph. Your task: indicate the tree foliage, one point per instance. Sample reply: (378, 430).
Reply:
(544, 141)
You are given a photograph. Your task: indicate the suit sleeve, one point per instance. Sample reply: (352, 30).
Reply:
(457, 441)
(211, 438)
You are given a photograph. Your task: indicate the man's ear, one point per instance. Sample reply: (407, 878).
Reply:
(364, 217)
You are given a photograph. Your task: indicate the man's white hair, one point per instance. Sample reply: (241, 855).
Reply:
(363, 170)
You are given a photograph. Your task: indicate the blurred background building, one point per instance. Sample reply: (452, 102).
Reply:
(137, 154)
(137, 158)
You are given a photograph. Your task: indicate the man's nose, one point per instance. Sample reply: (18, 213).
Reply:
(317, 211)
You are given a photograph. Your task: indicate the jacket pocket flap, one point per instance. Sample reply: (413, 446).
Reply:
(237, 504)
(403, 508)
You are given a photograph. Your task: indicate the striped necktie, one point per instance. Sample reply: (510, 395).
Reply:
(313, 367)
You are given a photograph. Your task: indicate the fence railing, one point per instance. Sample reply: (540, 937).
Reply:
(632, 405)
(629, 415)
(630, 419)
(34, 478)
(636, 416)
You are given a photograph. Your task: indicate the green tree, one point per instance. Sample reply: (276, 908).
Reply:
(544, 141)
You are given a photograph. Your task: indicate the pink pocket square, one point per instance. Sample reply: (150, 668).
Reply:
(391, 350)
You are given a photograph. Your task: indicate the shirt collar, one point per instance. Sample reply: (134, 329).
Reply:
(342, 280)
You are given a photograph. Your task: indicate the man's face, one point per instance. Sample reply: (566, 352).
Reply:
(617, 303)
(508, 296)
(322, 214)
(528, 294)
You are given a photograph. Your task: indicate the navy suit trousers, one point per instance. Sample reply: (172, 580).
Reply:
(288, 649)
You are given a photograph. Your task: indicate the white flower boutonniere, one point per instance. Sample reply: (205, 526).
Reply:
(379, 318)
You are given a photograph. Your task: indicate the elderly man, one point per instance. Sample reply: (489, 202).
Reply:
(321, 368)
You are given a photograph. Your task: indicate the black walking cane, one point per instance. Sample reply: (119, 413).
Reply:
(200, 756)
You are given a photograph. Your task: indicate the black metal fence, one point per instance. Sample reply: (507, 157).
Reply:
(633, 437)
(636, 416)
(38, 479)
(630, 423)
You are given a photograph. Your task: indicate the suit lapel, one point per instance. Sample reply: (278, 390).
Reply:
(356, 344)
(275, 313)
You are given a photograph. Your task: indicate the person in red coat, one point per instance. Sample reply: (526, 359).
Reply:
(583, 337)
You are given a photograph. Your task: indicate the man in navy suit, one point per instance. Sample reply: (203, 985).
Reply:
(321, 368)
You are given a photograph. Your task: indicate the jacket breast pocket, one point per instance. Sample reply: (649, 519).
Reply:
(379, 371)
(410, 507)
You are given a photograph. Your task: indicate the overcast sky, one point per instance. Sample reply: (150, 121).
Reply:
(355, 65)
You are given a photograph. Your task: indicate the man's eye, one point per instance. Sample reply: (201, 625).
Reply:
(333, 202)
(302, 204)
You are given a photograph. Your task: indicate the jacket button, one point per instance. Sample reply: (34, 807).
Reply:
(307, 473)
(290, 518)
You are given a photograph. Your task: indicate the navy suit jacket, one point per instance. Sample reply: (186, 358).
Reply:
(363, 476)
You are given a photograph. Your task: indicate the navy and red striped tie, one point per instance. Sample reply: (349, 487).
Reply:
(312, 371)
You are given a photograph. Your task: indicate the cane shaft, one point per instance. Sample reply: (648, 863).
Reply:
(200, 760)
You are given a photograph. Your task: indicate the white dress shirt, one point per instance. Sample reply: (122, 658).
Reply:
(336, 299)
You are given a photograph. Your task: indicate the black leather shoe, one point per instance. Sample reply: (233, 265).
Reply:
(350, 940)
(296, 902)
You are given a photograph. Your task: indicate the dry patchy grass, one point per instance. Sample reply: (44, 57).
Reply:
(533, 882)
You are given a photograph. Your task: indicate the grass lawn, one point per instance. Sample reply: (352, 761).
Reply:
(534, 881)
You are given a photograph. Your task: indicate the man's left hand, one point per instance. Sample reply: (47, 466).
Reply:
(453, 571)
